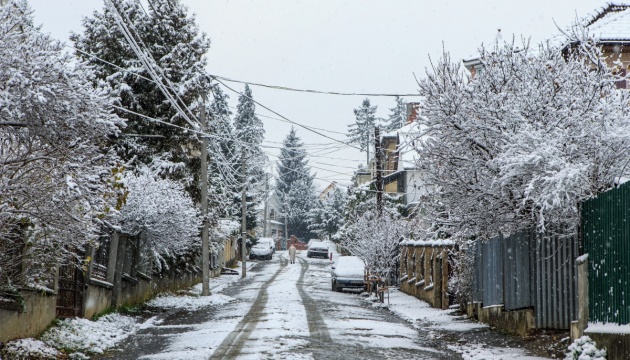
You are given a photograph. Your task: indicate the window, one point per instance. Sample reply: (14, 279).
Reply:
(272, 214)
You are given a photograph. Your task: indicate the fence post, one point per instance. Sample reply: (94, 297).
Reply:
(437, 279)
(578, 326)
(111, 260)
(119, 268)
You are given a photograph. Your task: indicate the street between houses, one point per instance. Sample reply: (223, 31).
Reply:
(287, 311)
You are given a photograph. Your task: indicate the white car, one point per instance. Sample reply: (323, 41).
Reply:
(260, 251)
(270, 242)
(348, 273)
(317, 249)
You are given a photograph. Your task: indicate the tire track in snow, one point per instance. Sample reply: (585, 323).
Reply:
(316, 325)
(231, 347)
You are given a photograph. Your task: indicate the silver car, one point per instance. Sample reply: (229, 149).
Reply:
(348, 273)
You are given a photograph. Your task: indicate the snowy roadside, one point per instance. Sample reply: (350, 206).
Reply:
(422, 316)
(82, 337)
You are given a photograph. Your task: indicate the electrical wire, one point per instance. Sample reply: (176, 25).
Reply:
(285, 88)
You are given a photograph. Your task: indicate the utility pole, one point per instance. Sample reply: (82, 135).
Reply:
(286, 225)
(378, 153)
(367, 148)
(266, 206)
(244, 216)
(203, 183)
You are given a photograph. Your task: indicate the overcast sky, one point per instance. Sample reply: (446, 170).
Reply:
(364, 46)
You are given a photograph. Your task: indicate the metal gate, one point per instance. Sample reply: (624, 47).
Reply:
(70, 293)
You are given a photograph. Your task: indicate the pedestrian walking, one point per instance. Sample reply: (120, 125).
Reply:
(292, 254)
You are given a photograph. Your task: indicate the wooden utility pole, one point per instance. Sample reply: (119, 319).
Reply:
(378, 153)
(203, 184)
(244, 216)
(266, 206)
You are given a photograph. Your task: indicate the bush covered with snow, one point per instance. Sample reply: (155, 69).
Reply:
(30, 349)
(585, 348)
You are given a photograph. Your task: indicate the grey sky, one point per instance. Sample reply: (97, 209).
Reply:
(347, 46)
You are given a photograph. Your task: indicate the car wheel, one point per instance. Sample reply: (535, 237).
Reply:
(269, 257)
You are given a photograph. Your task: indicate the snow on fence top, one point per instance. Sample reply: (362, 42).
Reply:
(427, 243)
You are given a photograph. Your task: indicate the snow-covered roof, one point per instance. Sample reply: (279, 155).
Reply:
(610, 23)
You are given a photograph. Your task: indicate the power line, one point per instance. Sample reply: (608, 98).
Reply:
(277, 87)
(285, 118)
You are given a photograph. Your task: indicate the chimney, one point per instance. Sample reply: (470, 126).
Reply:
(413, 110)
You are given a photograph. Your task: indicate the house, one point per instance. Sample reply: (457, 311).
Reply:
(610, 25)
(273, 223)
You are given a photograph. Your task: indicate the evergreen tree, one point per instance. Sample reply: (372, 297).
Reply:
(326, 218)
(249, 133)
(222, 153)
(361, 132)
(294, 185)
(173, 42)
(398, 115)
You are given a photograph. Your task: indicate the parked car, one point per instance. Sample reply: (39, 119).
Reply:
(317, 249)
(270, 242)
(260, 251)
(348, 273)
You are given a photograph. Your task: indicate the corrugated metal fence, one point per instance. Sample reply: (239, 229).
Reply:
(528, 270)
(606, 239)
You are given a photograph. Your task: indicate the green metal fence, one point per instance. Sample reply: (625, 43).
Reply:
(606, 240)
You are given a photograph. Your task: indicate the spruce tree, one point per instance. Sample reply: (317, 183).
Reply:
(171, 39)
(326, 218)
(249, 134)
(294, 185)
(398, 115)
(361, 132)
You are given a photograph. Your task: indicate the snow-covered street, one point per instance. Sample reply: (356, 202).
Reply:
(288, 311)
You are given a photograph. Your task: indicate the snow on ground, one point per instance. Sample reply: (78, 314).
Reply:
(423, 316)
(191, 300)
(427, 318)
(201, 340)
(480, 352)
(86, 336)
(28, 349)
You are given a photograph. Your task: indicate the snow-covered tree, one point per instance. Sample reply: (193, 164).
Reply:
(176, 49)
(326, 218)
(361, 132)
(397, 116)
(376, 241)
(164, 213)
(56, 182)
(523, 142)
(294, 184)
(249, 134)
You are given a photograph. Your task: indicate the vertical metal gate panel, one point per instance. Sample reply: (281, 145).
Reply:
(477, 272)
(555, 281)
(606, 239)
(492, 259)
(70, 292)
(517, 272)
